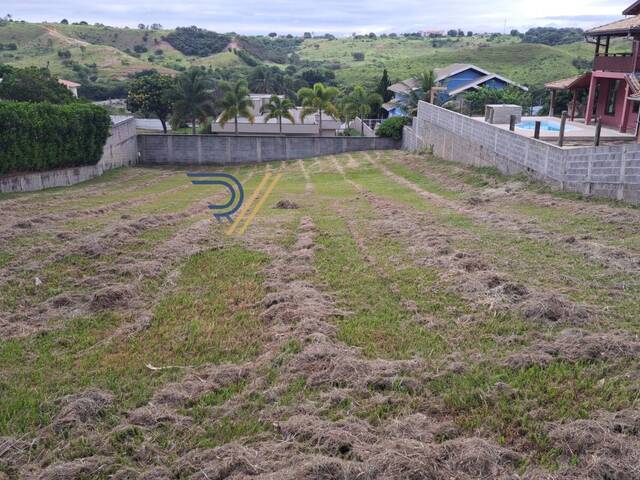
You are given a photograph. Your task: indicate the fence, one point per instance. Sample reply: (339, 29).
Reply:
(608, 171)
(241, 149)
(363, 126)
(120, 150)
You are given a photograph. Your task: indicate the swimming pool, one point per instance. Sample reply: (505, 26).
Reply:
(545, 126)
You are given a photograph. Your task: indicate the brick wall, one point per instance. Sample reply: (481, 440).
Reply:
(607, 171)
(229, 150)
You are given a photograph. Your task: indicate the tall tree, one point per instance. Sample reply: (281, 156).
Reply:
(427, 82)
(318, 99)
(236, 103)
(264, 79)
(383, 90)
(191, 99)
(383, 87)
(360, 103)
(151, 94)
(278, 108)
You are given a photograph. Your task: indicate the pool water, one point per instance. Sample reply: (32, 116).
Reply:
(545, 126)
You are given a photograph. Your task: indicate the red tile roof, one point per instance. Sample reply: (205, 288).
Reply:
(69, 83)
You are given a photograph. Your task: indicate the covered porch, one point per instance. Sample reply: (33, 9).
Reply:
(577, 86)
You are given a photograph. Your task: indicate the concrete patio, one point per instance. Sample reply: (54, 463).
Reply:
(576, 133)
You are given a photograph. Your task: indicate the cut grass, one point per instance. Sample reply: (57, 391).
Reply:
(394, 308)
(215, 293)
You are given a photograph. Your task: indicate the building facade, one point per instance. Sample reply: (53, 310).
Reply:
(452, 81)
(613, 85)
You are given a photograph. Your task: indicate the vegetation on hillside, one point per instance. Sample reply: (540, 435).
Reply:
(276, 50)
(197, 41)
(553, 36)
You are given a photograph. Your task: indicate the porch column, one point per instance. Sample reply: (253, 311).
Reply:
(552, 103)
(625, 110)
(574, 100)
(592, 95)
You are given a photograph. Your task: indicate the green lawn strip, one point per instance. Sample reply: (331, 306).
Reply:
(534, 262)
(162, 186)
(518, 411)
(176, 201)
(209, 318)
(376, 322)
(419, 179)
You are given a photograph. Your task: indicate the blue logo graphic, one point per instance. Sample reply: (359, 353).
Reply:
(226, 210)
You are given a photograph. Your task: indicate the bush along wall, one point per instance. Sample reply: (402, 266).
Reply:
(42, 136)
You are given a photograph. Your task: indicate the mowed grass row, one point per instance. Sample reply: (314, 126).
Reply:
(208, 318)
(395, 310)
(379, 323)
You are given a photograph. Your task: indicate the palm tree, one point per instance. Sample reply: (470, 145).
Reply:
(191, 99)
(279, 108)
(359, 102)
(427, 82)
(318, 99)
(236, 103)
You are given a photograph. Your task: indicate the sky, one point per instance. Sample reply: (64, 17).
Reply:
(338, 17)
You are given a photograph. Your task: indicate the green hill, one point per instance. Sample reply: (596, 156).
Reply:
(102, 54)
(532, 64)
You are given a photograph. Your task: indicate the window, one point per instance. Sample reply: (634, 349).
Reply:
(636, 107)
(612, 97)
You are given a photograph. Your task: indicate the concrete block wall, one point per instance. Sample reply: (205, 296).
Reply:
(607, 171)
(230, 150)
(120, 150)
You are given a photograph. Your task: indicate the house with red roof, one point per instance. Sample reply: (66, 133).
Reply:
(613, 85)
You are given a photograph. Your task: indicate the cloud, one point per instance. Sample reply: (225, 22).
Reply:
(329, 16)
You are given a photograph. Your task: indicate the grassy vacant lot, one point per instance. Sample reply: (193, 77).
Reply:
(411, 318)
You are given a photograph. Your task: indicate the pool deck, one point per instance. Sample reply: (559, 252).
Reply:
(580, 132)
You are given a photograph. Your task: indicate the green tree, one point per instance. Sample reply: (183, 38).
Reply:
(383, 87)
(151, 94)
(236, 103)
(191, 99)
(427, 82)
(359, 102)
(278, 108)
(475, 101)
(264, 79)
(318, 99)
(32, 84)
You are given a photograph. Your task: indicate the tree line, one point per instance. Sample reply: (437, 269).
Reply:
(195, 97)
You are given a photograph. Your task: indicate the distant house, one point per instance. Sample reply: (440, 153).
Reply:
(309, 126)
(71, 86)
(613, 86)
(455, 80)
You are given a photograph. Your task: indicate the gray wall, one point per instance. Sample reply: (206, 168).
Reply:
(120, 150)
(608, 171)
(229, 149)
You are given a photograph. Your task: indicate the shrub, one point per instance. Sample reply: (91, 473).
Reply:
(139, 48)
(358, 56)
(197, 41)
(31, 84)
(44, 136)
(392, 127)
(553, 36)
(247, 58)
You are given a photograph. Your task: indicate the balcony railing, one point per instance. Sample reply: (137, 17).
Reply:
(614, 62)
